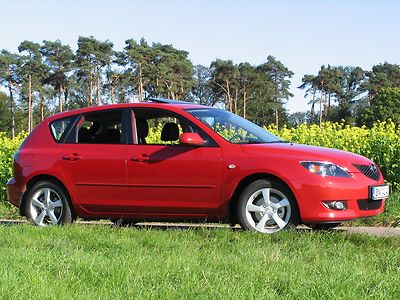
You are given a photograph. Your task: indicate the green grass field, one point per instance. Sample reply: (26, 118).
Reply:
(101, 262)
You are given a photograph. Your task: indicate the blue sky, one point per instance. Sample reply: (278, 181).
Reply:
(302, 34)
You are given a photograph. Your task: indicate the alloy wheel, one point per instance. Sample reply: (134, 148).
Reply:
(268, 210)
(46, 207)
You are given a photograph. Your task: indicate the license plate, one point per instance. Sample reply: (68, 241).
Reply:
(379, 192)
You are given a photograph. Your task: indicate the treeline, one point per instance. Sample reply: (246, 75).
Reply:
(45, 78)
(353, 94)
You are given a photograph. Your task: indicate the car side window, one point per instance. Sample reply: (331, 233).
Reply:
(162, 127)
(59, 128)
(103, 127)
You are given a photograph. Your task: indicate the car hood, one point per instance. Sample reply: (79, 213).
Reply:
(306, 153)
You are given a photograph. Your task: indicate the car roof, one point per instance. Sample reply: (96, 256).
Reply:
(174, 105)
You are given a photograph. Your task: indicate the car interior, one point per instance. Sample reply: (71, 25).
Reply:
(153, 126)
(159, 127)
(100, 128)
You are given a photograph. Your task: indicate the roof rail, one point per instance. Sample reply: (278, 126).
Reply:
(167, 101)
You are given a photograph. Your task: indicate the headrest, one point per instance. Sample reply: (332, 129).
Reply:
(170, 132)
(142, 128)
(113, 136)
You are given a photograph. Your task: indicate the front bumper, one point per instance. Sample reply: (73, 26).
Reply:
(310, 194)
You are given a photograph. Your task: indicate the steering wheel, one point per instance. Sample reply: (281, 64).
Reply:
(236, 136)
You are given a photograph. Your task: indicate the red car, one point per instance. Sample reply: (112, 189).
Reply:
(172, 160)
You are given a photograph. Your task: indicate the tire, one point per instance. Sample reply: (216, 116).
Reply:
(47, 204)
(123, 222)
(323, 226)
(279, 211)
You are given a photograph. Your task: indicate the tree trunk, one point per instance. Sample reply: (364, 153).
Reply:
(12, 111)
(42, 108)
(244, 103)
(235, 100)
(228, 95)
(66, 96)
(325, 105)
(170, 91)
(228, 99)
(182, 91)
(320, 109)
(60, 97)
(276, 119)
(98, 90)
(29, 103)
(140, 85)
(90, 90)
(328, 112)
(312, 106)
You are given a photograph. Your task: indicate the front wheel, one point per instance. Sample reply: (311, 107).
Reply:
(47, 204)
(267, 206)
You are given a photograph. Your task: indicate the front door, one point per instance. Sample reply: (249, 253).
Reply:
(169, 179)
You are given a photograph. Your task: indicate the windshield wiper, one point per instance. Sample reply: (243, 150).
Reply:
(277, 142)
(263, 142)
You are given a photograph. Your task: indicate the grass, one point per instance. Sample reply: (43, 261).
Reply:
(7, 211)
(100, 262)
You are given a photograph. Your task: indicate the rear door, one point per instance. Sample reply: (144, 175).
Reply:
(93, 160)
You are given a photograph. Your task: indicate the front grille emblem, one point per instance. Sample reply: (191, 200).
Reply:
(373, 168)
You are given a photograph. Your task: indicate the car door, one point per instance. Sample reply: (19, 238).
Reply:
(166, 178)
(93, 160)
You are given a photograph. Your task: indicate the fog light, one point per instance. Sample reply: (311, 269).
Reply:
(339, 205)
(336, 205)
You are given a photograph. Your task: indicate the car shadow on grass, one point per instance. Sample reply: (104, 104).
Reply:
(197, 226)
(160, 225)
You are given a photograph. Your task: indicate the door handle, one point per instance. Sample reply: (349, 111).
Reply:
(72, 156)
(141, 158)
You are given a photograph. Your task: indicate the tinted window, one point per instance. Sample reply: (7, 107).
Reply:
(104, 127)
(161, 127)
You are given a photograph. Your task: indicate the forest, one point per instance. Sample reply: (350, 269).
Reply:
(49, 77)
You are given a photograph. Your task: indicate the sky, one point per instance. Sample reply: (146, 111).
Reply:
(303, 34)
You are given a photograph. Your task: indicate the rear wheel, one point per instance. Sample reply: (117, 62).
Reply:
(267, 206)
(47, 204)
(323, 226)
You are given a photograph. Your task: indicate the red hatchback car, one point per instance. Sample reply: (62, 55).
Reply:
(172, 160)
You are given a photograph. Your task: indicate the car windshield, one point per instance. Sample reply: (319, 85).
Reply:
(233, 128)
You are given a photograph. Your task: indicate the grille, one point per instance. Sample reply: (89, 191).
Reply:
(369, 204)
(371, 171)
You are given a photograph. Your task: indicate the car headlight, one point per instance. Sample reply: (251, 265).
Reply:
(325, 168)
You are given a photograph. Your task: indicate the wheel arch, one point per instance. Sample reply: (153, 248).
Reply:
(45, 177)
(243, 183)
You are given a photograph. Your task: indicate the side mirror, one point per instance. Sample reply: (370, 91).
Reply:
(191, 138)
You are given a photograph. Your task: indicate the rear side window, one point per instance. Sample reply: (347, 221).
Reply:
(59, 127)
(103, 127)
